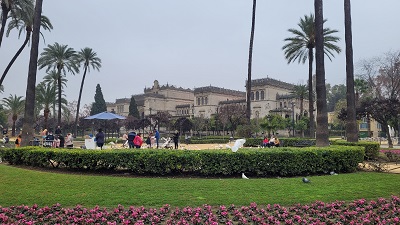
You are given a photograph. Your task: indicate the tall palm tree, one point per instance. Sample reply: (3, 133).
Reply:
(89, 59)
(24, 22)
(351, 125)
(15, 106)
(300, 91)
(45, 96)
(62, 58)
(248, 85)
(301, 48)
(52, 79)
(14, 8)
(322, 134)
(29, 116)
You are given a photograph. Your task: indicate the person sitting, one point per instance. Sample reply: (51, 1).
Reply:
(265, 142)
(271, 142)
(6, 140)
(49, 139)
(56, 142)
(277, 142)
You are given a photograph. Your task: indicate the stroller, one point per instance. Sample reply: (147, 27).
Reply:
(167, 143)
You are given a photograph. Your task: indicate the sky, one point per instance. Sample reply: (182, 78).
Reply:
(194, 43)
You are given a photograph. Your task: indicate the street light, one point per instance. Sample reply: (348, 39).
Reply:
(293, 104)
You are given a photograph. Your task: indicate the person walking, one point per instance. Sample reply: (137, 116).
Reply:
(138, 141)
(100, 138)
(176, 139)
(157, 136)
(131, 137)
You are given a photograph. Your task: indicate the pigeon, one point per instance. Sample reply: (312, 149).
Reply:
(305, 180)
(244, 176)
(333, 173)
(238, 144)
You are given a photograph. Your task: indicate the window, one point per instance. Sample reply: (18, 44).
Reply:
(280, 104)
(198, 101)
(202, 100)
(257, 95)
(120, 108)
(252, 96)
(206, 101)
(262, 95)
(363, 125)
(284, 104)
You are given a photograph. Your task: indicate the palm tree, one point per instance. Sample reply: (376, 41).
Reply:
(89, 59)
(62, 58)
(351, 125)
(249, 66)
(52, 79)
(322, 134)
(301, 48)
(14, 8)
(45, 96)
(24, 22)
(29, 116)
(300, 91)
(15, 106)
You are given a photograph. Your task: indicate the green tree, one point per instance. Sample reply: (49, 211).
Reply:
(15, 106)
(24, 22)
(14, 8)
(62, 58)
(29, 115)
(301, 48)
(52, 79)
(248, 84)
(300, 91)
(45, 96)
(133, 110)
(272, 123)
(99, 104)
(351, 126)
(89, 60)
(334, 94)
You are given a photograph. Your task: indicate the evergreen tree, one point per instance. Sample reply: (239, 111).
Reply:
(133, 110)
(99, 104)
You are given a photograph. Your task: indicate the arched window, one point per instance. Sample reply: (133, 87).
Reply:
(198, 101)
(284, 104)
(252, 96)
(280, 104)
(206, 100)
(202, 101)
(262, 95)
(257, 95)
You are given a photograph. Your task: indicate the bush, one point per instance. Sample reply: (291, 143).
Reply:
(371, 148)
(281, 161)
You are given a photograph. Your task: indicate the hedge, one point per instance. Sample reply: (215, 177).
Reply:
(371, 148)
(257, 162)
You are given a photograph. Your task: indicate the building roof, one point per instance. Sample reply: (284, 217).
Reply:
(271, 82)
(183, 106)
(219, 90)
(227, 102)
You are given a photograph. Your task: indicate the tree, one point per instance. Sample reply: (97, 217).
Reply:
(272, 123)
(335, 94)
(24, 22)
(133, 110)
(62, 58)
(52, 79)
(322, 134)
(351, 126)
(29, 116)
(248, 85)
(300, 91)
(15, 8)
(90, 60)
(183, 124)
(300, 48)
(15, 106)
(232, 115)
(99, 104)
(45, 95)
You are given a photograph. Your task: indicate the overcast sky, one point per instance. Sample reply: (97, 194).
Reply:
(194, 43)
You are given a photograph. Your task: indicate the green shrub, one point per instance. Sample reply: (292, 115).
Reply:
(371, 148)
(282, 161)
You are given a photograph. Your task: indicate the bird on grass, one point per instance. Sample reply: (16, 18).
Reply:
(305, 180)
(244, 176)
(333, 173)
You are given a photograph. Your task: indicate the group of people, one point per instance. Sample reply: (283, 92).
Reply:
(135, 140)
(56, 140)
(272, 142)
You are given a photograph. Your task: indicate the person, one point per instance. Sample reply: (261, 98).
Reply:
(18, 141)
(4, 131)
(265, 142)
(49, 139)
(62, 141)
(272, 142)
(100, 138)
(57, 132)
(131, 137)
(176, 139)
(69, 141)
(56, 142)
(6, 139)
(277, 142)
(148, 141)
(36, 141)
(157, 136)
(138, 141)
(124, 140)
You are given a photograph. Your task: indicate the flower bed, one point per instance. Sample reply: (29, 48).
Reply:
(392, 154)
(382, 211)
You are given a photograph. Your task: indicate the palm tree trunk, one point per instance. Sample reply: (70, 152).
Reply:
(13, 128)
(4, 18)
(248, 85)
(351, 126)
(59, 95)
(29, 116)
(322, 135)
(310, 92)
(28, 35)
(79, 102)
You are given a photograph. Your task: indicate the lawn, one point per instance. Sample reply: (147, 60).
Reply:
(23, 186)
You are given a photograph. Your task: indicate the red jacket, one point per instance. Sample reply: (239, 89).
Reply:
(138, 140)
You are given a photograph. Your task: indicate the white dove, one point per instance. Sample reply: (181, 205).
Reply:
(238, 144)
(244, 176)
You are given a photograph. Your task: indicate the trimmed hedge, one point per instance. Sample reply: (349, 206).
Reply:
(257, 162)
(371, 148)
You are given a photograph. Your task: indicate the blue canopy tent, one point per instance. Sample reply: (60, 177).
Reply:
(105, 116)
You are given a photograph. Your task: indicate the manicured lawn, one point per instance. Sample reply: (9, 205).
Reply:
(22, 186)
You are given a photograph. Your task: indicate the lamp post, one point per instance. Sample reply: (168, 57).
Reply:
(293, 104)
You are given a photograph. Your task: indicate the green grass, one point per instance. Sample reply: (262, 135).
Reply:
(22, 186)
